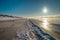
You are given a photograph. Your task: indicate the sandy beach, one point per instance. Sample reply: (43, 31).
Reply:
(9, 28)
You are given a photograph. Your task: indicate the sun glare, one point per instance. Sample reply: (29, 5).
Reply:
(45, 10)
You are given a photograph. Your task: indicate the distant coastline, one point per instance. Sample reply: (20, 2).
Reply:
(3, 15)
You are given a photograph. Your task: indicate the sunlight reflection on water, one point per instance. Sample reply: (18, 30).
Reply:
(45, 23)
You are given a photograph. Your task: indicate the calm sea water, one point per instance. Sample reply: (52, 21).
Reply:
(51, 24)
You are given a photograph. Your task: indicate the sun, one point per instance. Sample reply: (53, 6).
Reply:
(45, 10)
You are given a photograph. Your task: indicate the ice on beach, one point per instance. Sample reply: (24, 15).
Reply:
(7, 18)
(26, 34)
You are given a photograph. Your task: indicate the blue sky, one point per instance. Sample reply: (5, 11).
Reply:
(29, 7)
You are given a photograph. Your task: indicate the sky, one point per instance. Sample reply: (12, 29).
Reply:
(29, 7)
